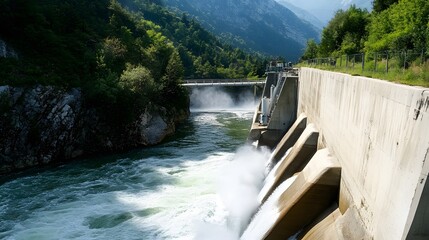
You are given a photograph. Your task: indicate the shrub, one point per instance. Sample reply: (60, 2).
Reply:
(139, 80)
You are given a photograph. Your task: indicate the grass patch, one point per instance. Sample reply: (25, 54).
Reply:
(416, 74)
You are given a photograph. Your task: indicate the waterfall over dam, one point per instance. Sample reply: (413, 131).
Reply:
(349, 161)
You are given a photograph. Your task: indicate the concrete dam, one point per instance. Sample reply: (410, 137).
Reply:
(349, 161)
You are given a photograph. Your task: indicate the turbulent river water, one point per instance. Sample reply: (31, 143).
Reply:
(200, 184)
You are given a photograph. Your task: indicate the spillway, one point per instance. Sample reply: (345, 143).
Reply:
(349, 156)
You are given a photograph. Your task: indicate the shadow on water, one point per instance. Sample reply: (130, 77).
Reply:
(183, 136)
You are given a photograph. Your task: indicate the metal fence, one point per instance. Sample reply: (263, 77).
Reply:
(374, 61)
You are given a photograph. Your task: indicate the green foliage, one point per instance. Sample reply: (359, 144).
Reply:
(55, 39)
(122, 60)
(345, 33)
(416, 74)
(381, 5)
(393, 25)
(396, 31)
(172, 91)
(138, 80)
(402, 26)
(310, 50)
(174, 70)
(202, 54)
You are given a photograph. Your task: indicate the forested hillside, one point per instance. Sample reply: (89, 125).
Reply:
(202, 54)
(117, 57)
(264, 26)
(121, 61)
(393, 25)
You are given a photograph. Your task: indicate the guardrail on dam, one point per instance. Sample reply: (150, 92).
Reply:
(351, 158)
(222, 82)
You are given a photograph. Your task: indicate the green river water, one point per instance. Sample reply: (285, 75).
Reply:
(184, 188)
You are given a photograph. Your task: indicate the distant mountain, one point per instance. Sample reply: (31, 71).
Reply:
(257, 25)
(303, 14)
(324, 10)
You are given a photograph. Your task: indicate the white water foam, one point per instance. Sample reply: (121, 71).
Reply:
(239, 184)
(208, 119)
(271, 177)
(183, 204)
(214, 99)
(268, 213)
(169, 211)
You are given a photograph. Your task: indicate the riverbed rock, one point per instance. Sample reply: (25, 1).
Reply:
(44, 125)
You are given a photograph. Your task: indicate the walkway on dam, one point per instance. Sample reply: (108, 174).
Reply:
(223, 82)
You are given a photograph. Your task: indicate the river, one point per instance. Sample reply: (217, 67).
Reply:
(200, 184)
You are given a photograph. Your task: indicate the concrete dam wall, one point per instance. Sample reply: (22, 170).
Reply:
(351, 164)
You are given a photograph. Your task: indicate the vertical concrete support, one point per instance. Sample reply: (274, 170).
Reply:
(337, 226)
(289, 138)
(310, 194)
(270, 137)
(270, 80)
(302, 151)
(379, 132)
(419, 229)
(325, 229)
(283, 114)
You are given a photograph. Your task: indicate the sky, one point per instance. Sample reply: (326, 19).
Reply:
(325, 9)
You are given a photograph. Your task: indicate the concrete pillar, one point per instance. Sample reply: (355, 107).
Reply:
(313, 191)
(270, 80)
(289, 138)
(283, 114)
(337, 226)
(295, 161)
(325, 229)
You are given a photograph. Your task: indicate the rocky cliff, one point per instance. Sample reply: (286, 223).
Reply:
(44, 125)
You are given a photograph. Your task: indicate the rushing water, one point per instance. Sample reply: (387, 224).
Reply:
(190, 187)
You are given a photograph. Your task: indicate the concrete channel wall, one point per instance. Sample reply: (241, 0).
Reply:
(379, 132)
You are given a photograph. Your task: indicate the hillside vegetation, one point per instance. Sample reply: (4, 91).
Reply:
(395, 34)
(202, 54)
(264, 26)
(392, 25)
(122, 60)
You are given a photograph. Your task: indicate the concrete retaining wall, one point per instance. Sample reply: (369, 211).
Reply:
(379, 131)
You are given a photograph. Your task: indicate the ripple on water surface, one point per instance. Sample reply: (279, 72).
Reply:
(154, 193)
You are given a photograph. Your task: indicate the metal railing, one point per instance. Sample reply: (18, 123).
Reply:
(223, 82)
(384, 61)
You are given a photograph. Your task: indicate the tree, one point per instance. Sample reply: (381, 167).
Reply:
(172, 92)
(345, 28)
(381, 5)
(174, 70)
(310, 50)
(139, 80)
(402, 26)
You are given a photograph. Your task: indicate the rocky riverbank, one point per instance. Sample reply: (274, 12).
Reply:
(45, 125)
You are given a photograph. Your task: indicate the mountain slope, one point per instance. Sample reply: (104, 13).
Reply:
(202, 54)
(303, 14)
(325, 9)
(260, 25)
